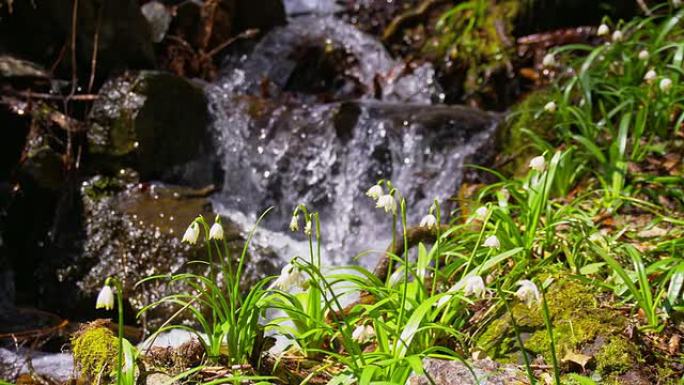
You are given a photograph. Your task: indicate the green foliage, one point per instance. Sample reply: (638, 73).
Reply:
(228, 318)
(541, 221)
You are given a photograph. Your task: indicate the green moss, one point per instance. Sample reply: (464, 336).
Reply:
(94, 348)
(616, 357)
(476, 36)
(576, 318)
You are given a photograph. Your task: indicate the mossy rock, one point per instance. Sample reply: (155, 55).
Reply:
(580, 326)
(95, 350)
(150, 121)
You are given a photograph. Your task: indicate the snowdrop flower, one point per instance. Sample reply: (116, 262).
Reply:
(388, 203)
(549, 60)
(492, 242)
(307, 228)
(528, 292)
(644, 55)
(428, 221)
(650, 76)
(538, 163)
(603, 30)
(216, 231)
(290, 277)
(375, 192)
(665, 85)
(481, 213)
(473, 286)
(294, 224)
(550, 107)
(192, 233)
(105, 299)
(363, 333)
(617, 36)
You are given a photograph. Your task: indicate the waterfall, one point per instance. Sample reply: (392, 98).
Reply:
(316, 113)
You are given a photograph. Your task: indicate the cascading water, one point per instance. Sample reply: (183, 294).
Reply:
(321, 134)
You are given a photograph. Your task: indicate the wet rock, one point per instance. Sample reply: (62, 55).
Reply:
(38, 31)
(484, 372)
(42, 164)
(153, 122)
(323, 58)
(133, 231)
(58, 367)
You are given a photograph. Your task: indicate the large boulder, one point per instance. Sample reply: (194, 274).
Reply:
(153, 122)
(133, 230)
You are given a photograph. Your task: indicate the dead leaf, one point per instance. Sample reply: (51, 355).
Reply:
(578, 358)
(653, 232)
(673, 346)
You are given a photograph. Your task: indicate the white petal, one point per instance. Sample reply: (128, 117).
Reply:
(216, 232)
(665, 85)
(603, 30)
(550, 107)
(492, 241)
(375, 192)
(105, 298)
(538, 163)
(192, 233)
(549, 60)
(294, 223)
(617, 36)
(428, 221)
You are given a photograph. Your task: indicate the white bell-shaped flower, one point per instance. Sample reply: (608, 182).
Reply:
(105, 298)
(603, 30)
(550, 107)
(363, 333)
(528, 292)
(538, 163)
(387, 203)
(375, 192)
(481, 213)
(429, 221)
(192, 233)
(644, 55)
(472, 285)
(290, 277)
(549, 60)
(492, 242)
(294, 224)
(307, 228)
(650, 76)
(216, 232)
(617, 36)
(665, 85)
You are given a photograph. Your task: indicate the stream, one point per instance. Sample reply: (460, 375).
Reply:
(317, 113)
